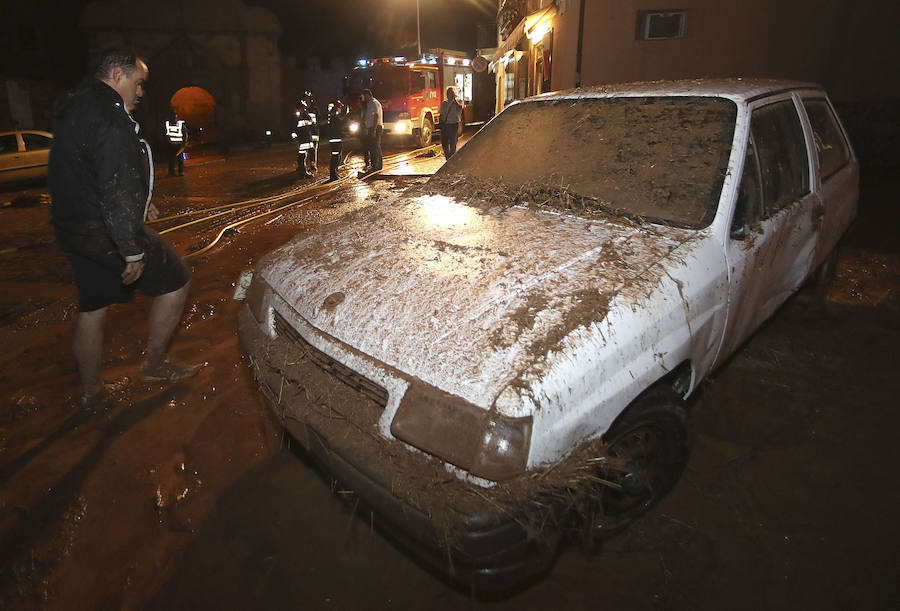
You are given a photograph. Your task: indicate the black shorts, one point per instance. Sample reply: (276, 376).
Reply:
(97, 266)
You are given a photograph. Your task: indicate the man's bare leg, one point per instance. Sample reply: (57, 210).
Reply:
(87, 344)
(165, 314)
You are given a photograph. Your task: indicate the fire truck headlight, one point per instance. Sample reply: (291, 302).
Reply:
(401, 127)
(353, 127)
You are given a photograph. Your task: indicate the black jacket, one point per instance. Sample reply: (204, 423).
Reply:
(99, 170)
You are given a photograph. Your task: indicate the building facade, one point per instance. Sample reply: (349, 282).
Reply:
(552, 45)
(222, 47)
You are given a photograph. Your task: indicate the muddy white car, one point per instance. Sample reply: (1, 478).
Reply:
(504, 354)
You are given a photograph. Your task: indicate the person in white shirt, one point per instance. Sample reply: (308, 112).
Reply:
(373, 121)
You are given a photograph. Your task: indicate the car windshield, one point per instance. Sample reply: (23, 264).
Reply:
(660, 159)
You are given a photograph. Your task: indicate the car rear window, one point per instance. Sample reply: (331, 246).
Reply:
(661, 159)
(831, 147)
(35, 142)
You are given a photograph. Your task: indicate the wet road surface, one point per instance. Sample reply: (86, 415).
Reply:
(185, 497)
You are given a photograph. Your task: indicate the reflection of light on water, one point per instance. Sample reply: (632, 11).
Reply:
(363, 190)
(441, 211)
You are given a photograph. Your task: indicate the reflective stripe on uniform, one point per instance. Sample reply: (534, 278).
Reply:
(175, 131)
(304, 146)
(303, 123)
(333, 140)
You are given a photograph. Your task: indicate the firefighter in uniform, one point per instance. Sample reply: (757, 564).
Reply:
(305, 147)
(176, 140)
(336, 122)
(312, 160)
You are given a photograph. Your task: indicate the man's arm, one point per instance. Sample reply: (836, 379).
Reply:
(122, 197)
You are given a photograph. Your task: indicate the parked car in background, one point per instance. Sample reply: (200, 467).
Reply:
(505, 355)
(24, 155)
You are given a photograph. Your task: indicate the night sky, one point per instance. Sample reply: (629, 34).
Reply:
(351, 29)
(341, 29)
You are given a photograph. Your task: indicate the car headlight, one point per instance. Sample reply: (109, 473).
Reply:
(482, 442)
(353, 127)
(258, 297)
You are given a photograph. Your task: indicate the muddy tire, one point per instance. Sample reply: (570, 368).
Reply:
(425, 134)
(823, 275)
(651, 437)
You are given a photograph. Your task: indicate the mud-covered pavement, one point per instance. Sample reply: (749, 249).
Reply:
(183, 497)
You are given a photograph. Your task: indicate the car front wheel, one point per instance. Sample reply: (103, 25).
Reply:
(646, 450)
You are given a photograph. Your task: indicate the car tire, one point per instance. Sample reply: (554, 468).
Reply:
(824, 274)
(651, 437)
(425, 133)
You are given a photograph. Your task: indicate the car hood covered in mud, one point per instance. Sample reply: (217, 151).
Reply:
(463, 298)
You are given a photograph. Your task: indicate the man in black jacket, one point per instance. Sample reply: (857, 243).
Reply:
(101, 177)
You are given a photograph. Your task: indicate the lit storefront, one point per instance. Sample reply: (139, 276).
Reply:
(523, 59)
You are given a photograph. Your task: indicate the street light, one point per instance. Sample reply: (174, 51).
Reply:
(418, 32)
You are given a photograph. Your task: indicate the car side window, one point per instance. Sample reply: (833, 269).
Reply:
(781, 150)
(748, 208)
(8, 144)
(831, 147)
(35, 142)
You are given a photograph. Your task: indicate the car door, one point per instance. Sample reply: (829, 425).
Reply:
(35, 155)
(10, 158)
(773, 231)
(837, 173)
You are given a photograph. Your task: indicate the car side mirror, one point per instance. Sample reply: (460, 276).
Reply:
(740, 232)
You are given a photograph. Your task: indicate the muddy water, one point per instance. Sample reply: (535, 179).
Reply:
(183, 496)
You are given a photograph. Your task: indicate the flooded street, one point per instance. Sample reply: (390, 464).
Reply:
(186, 496)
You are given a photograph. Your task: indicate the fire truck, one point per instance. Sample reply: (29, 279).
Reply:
(411, 91)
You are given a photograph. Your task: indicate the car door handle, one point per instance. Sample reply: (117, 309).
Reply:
(817, 214)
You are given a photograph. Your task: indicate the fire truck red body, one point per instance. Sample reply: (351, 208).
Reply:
(411, 92)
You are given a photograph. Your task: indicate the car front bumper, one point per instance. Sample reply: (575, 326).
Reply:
(474, 542)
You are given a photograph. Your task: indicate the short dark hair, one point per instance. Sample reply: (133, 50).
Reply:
(103, 62)
(368, 92)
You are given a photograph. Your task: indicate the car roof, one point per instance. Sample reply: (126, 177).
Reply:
(739, 89)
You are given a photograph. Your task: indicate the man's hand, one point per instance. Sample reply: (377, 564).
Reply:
(132, 271)
(152, 212)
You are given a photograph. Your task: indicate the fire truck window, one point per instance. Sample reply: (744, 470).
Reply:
(463, 83)
(391, 82)
(417, 82)
(432, 82)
